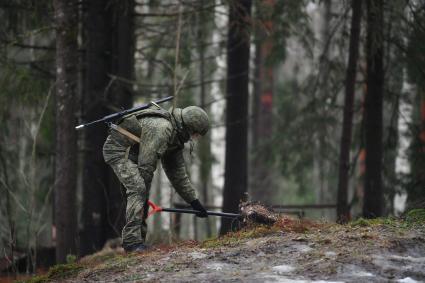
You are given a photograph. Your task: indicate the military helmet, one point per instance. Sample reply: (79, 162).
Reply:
(195, 119)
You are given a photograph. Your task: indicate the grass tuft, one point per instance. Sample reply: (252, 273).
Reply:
(60, 271)
(416, 215)
(283, 224)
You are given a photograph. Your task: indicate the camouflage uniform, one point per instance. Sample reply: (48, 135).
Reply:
(162, 137)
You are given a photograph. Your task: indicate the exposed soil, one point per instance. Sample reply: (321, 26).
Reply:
(289, 251)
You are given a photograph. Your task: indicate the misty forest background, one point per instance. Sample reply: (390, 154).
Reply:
(317, 109)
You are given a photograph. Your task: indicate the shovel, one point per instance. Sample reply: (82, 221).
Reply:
(156, 208)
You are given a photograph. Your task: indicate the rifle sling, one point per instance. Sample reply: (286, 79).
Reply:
(125, 132)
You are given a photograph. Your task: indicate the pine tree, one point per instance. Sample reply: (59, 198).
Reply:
(66, 19)
(238, 46)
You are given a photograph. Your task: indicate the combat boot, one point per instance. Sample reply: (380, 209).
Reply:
(138, 248)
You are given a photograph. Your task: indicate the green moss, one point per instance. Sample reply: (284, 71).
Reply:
(64, 270)
(133, 277)
(234, 238)
(60, 271)
(412, 219)
(100, 257)
(71, 258)
(362, 222)
(35, 279)
(416, 216)
(118, 263)
(219, 242)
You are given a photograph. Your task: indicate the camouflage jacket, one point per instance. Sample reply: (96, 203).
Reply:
(158, 132)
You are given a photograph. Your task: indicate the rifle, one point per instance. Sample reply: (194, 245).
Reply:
(118, 115)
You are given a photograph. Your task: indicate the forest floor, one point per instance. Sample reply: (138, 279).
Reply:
(380, 250)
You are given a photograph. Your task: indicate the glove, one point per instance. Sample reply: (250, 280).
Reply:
(196, 205)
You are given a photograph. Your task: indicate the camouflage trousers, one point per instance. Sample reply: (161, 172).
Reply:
(137, 192)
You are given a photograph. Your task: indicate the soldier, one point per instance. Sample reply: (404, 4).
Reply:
(162, 136)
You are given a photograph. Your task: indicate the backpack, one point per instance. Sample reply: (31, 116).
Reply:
(131, 122)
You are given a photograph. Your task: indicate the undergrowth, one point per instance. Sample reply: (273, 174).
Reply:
(57, 272)
(416, 216)
(412, 219)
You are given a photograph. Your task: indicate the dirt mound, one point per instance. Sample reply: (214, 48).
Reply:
(291, 250)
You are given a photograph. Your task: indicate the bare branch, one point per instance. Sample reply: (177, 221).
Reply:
(18, 202)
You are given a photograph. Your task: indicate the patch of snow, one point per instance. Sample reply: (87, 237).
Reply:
(408, 280)
(303, 248)
(272, 278)
(400, 263)
(356, 271)
(218, 266)
(284, 268)
(164, 260)
(330, 254)
(285, 280)
(197, 255)
(408, 258)
(255, 242)
(363, 274)
(281, 279)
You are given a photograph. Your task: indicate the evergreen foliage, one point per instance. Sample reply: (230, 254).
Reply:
(308, 59)
(27, 120)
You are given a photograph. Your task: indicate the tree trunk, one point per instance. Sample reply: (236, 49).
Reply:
(109, 51)
(238, 45)
(415, 63)
(343, 211)
(373, 194)
(415, 190)
(320, 161)
(66, 19)
(204, 152)
(95, 175)
(393, 104)
(121, 97)
(262, 188)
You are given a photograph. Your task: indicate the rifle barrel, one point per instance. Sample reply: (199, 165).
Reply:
(117, 115)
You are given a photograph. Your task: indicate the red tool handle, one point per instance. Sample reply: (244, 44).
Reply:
(154, 207)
